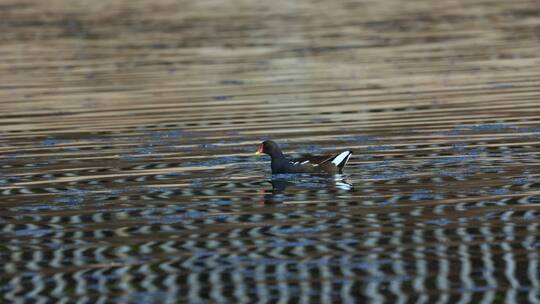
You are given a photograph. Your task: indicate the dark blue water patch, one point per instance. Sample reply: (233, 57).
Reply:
(375, 196)
(459, 146)
(34, 232)
(246, 149)
(353, 262)
(422, 194)
(381, 203)
(204, 179)
(203, 253)
(498, 191)
(109, 191)
(54, 142)
(158, 189)
(450, 173)
(69, 200)
(159, 211)
(316, 263)
(477, 288)
(104, 196)
(42, 207)
(386, 176)
(7, 287)
(535, 245)
(492, 170)
(456, 159)
(386, 278)
(28, 274)
(275, 290)
(310, 149)
(198, 185)
(284, 243)
(380, 148)
(12, 179)
(531, 217)
(180, 218)
(13, 156)
(462, 129)
(99, 139)
(145, 297)
(217, 203)
(128, 157)
(174, 174)
(76, 192)
(365, 157)
(215, 161)
(528, 130)
(105, 275)
(346, 242)
(285, 176)
(198, 269)
(72, 196)
(246, 166)
(122, 209)
(324, 214)
(534, 199)
(439, 222)
(377, 165)
(299, 230)
(451, 132)
(254, 261)
(145, 151)
(311, 185)
(492, 215)
(488, 127)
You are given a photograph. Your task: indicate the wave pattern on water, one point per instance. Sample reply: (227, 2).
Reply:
(127, 133)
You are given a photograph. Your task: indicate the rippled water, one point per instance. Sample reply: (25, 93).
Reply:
(127, 132)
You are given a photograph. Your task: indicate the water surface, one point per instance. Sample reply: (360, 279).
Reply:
(128, 131)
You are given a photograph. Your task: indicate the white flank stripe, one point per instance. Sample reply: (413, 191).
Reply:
(304, 162)
(341, 157)
(347, 160)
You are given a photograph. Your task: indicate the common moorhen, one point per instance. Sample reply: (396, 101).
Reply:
(325, 164)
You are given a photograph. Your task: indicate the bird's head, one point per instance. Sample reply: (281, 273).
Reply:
(268, 147)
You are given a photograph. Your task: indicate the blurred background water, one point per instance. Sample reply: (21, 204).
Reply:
(127, 133)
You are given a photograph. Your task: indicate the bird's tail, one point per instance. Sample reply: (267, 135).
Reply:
(341, 159)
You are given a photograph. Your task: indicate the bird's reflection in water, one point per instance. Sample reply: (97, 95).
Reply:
(303, 185)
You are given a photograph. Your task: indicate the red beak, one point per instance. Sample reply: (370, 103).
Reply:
(260, 150)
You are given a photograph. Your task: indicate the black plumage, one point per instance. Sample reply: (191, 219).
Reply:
(325, 164)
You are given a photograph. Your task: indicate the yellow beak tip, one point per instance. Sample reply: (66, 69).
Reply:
(258, 153)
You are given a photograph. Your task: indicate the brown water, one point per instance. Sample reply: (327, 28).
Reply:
(127, 132)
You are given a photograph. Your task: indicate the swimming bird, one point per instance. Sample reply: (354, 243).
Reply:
(325, 164)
